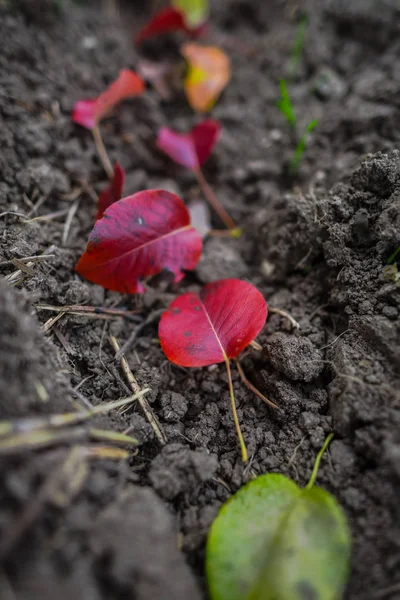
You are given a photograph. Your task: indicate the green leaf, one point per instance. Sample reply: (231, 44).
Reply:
(195, 11)
(275, 541)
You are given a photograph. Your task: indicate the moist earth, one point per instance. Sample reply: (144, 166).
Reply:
(315, 244)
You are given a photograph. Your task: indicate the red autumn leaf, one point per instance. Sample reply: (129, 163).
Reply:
(215, 325)
(191, 149)
(90, 112)
(166, 20)
(113, 191)
(138, 237)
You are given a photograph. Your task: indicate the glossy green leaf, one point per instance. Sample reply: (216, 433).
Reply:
(275, 541)
(195, 11)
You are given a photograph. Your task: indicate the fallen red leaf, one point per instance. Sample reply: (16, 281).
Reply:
(138, 237)
(191, 149)
(213, 326)
(90, 112)
(166, 20)
(113, 191)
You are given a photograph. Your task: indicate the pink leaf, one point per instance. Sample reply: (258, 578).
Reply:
(191, 149)
(83, 113)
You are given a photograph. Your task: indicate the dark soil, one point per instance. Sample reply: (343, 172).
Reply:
(113, 529)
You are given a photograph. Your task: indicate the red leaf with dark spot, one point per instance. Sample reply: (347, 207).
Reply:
(113, 192)
(90, 112)
(218, 323)
(191, 149)
(138, 237)
(166, 20)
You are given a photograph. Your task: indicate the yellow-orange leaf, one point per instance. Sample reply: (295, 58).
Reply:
(209, 73)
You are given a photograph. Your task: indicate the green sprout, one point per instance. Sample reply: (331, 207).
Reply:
(285, 104)
(393, 256)
(301, 146)
(298, 46)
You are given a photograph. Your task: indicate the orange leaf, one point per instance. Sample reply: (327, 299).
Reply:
(127, 85)
(209, 73)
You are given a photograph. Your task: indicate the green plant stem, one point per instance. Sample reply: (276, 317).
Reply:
(301, 146)
(102, 152)
(393, 256)
(243, 448)
(217, 206)
(314, 473)
(298, 46)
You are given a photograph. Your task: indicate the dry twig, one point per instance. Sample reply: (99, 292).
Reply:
(142, 401)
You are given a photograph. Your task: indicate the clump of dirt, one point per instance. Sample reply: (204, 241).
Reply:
(31, 379)
(348, 235)
(316, 246)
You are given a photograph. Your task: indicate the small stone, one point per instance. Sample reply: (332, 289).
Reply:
(221, 259)
(267, 268)
(328, 85)
(308, 420)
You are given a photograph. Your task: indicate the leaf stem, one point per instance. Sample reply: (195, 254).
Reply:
(102, 152)
(243, 448)
(217, 206)
(314, 473)
(285, 315)
(252, 387)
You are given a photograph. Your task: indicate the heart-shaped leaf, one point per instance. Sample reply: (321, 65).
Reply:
(113, 191)
(275, 541)
(138, 237)
(89, 113)
(195, 12)
(208, 74)
(214, 325)
(191, 149)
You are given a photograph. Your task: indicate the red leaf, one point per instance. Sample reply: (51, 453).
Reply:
(113, 192)
(191, 149)
(89, 112)
(138, 237)
(202, 329)
(165, 20)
